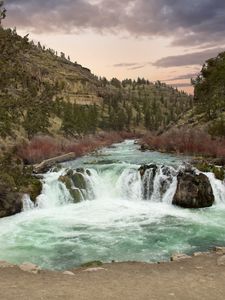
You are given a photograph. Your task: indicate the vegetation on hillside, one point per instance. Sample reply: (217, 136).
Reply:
(42, 92)
(209, 94)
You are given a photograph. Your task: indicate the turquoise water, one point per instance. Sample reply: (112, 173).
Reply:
(117, 224)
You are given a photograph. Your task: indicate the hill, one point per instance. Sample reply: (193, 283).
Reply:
(43, 93)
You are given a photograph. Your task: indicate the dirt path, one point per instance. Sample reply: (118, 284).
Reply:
(201, 277)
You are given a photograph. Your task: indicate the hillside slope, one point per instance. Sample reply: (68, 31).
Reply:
(42, 93)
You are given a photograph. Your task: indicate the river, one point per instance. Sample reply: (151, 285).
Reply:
(114, 222)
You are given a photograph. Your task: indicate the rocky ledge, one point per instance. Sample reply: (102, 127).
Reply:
(193, 188)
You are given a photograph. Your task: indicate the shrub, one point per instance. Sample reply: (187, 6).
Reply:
(186, 141)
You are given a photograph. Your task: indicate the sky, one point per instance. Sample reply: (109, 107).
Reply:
(166, 40)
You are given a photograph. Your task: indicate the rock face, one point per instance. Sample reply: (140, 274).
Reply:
(193, 191)
(147, 173)
(75, 182)
(10, 201)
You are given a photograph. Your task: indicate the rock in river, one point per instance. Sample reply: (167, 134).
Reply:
(10, 201)
(193, 191)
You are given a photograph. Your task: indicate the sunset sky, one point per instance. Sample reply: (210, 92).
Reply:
(165, 40)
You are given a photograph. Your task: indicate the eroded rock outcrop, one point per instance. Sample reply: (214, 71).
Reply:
(76, 184)
(10, 200)
(193, 191)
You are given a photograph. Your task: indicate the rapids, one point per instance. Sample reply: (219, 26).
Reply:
(118, 220)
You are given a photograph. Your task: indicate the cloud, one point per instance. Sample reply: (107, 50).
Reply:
(180, 85)
(121, 65)
(195, 58)
(131, 66)
(192, 22)
(182, 77)
(137, 67)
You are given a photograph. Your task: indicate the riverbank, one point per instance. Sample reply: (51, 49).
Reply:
(199, 277)
(191, 142)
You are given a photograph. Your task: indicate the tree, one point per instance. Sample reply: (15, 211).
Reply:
(2, 12)
(210, 87)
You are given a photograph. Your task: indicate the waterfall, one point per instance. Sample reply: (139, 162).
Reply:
(27, 203)
(158, 184)
(218, 187)
(104, 207)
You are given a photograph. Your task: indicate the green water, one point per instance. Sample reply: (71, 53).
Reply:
(116, 225)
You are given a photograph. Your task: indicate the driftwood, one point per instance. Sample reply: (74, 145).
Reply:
(45, 165)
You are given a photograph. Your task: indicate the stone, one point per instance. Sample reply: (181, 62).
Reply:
(5, 264)
(88, 172)
(144, 147)
(76, 194)
(143, 169)
(200, 253)
(193, 191)
(219, 250)
(179, 257)
(79, 181)
(68, 273)
(10, 201)
(80, 170)
(221, 261)
(94, 269)
(29, 267)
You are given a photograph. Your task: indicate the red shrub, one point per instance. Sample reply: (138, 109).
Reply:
(44, 147)
(186, 141)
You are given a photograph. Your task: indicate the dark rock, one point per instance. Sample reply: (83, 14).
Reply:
(10, 201)
(88, 172)
(143, 168)
(144, 147)
(57, 168)
(66, 180)
(79, 181)
(193, 191)
(76, 194)
(80, 170)
(148, 173)
(33, 188)
(76, 185)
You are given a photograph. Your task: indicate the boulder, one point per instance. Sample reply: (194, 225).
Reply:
(94, 269)
(143, 169)
(179, 257)
(144, 147)
(75, 183)
(219, 250)
(147, 173)
(221, 261)
(5, 264)
(29, 267)
(79, 181)
(193, 191)
(76, 194)
(10, 201)
(68, 273)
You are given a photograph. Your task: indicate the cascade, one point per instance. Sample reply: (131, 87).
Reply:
(158, 184)
(122, 214)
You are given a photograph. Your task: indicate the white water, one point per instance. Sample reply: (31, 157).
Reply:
(116, 221)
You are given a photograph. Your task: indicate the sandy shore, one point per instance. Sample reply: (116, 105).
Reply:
(200, 277)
